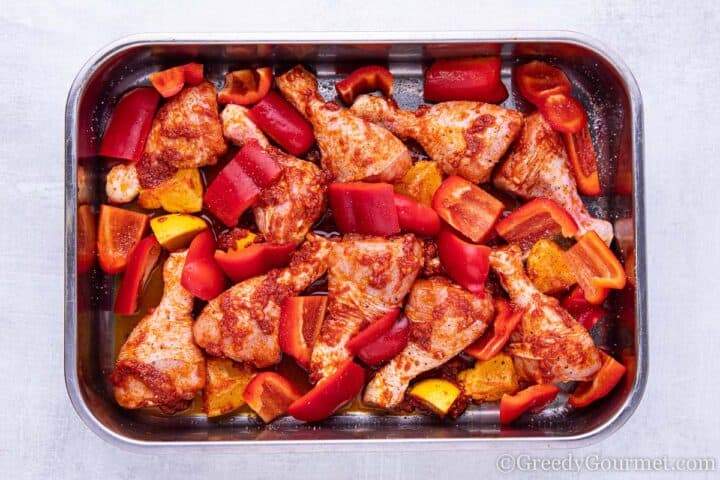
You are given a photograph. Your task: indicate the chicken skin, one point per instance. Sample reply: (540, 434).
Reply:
(159, 364)
(465, 138)
(239, 128)
(444, 319)
(537, 166)
(352, 149)
(242, 322)
(549, 344)
(367, 278)
(186, 133)
(287, 210)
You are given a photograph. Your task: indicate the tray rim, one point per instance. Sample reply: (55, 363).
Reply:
(597, 434)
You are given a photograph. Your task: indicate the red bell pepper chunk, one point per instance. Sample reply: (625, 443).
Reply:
(537, 80)
(86, 239)
(535, 397)
(466, 263)
(467, 208)
(141, 263)
(595, 267)
(490, 344)
(254, 259)
(563, 113)
(499, 95)
(388, 345)
(329, 393)
(605, 380)
(269, 394)
(171, 81)
(581, 154)
(364, 80)
(373, 331)
(366, 208)
(258, 164)
(283, 123)
(591, 316)
(244, 87)
(474, 79)
(119, 232)
(575, 302)
(538, 218)
(416, 217)
(129, 125)
(300, 322)
(201, 274)
(231, 193)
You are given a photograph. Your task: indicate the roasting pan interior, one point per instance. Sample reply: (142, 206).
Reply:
(613, 105)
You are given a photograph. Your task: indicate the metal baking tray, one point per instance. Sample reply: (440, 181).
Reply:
(601, 81)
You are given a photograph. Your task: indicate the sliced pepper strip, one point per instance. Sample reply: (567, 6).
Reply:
(537, 80)
(416, 217)
(581, 154)
(253, 260)
(141, 263)
(86, 239)
(373, 331)
(119, 232)
(473, 79)
(535, 397)
(201, 274)
(466, 263)
(365, 208)
(388, 345)
(300, 322)
(329, 393)
(492, 342)
(363, 80)
(538, 218)
(564, 113)
(595, 267)
(605, 380)
(283, 123)
(269, 394)
(129, 125)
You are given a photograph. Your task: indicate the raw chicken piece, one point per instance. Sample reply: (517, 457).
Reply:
(159, 364)
(549, 345)
(239, 128)
(444, 319)
(465, 138)
(242, 322)
(122, 184)
(367, 278)
(537, 166)
(186, 133)
(352, 149)
(286, 210)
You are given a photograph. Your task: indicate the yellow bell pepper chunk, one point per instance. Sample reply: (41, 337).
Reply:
(421, 182)
(176, 230)
(226, 382)
(183, 193)
(243, 242)
(487, 381)
(437, 394)
(547, 269)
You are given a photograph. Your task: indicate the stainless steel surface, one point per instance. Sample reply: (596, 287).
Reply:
(608, 91)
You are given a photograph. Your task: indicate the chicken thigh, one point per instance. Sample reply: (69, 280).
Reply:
(444, 319)
(465, 138)
(549, 344)
(159, 364)
(352, 149)
(537, 166)
(287, 210)
(186, 133)
(367, 278)
(242, 322)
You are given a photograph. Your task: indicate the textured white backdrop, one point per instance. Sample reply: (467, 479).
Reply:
(671, 47)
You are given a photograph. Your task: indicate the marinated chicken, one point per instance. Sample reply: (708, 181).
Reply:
(159, 365)
(186, 133)
(549, 345)
(122, 184)
(367, 277)
(287, 210)
(444, 319)
(537, 166)
(242, 323)
(352, 149)
(465, 138)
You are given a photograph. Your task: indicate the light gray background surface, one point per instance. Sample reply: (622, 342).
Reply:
(671, 47)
